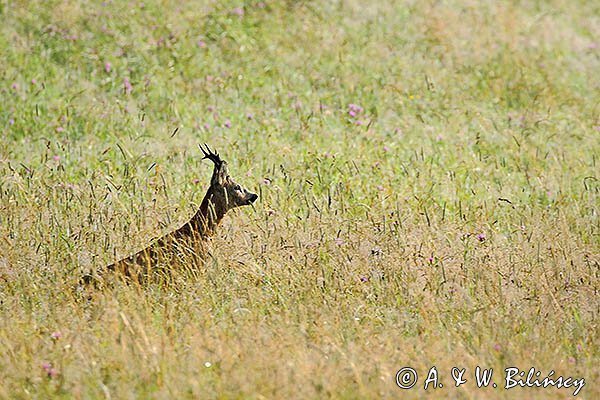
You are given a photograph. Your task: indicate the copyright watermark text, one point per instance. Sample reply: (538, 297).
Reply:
(511, 377)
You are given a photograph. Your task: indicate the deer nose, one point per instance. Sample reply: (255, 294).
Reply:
(252, 198)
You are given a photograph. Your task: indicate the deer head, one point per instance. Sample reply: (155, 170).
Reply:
(224, 193)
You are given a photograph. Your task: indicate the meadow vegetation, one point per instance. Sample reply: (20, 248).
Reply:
(428, 182)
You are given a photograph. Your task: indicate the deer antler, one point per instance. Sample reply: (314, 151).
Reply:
(212, 156)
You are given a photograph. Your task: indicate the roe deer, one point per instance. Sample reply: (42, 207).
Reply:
(223, 195)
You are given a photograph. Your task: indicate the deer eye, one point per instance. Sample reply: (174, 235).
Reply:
(237, 187)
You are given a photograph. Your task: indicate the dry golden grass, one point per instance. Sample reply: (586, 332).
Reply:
(453, 221)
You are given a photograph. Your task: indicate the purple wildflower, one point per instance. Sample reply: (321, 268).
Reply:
(107, 67)
(355, 108)
(481, 237)
(127, 85)
(60, 129)
(201, 44)
(238, 11)
(227, 124)
(56, 335)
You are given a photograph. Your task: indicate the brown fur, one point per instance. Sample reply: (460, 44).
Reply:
(223, 195)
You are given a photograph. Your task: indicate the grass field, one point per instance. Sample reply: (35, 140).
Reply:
(428, 181)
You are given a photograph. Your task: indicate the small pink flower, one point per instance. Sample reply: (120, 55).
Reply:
(297, 105)
(238, 11)
(60, 129)
(210, 108)
(249, 116)
(380, 188)
(430, 259)
(339, 241)
(11, 121)
(354, 109)
(481, 237)
(206, 126)
(359, 122)
(14, 86)
(260, 4)
(196, 181)
(56, 158)
(56, 335)
(107, 67)
(398, 131)
(33, 81)
(227, 124)
(386, 149)
(364, 278)
(201, 44)
(209, 78)
(49, 370)
(497, 347)
(127, 85)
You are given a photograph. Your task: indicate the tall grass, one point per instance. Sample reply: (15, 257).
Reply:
(428, 186)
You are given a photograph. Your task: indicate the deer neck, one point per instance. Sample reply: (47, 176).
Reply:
(210, 214)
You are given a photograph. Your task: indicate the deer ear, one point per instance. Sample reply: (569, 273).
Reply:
(220, 176)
